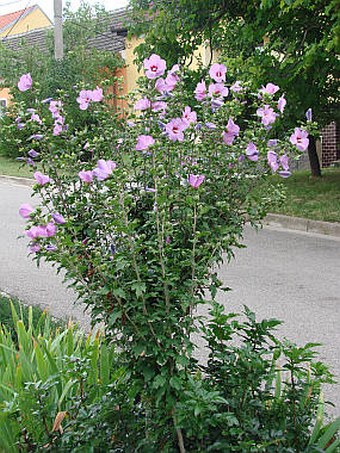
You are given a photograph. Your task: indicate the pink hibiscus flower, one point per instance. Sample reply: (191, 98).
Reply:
(189, 116)
(195, 180)
(232, 131)
(218, 72)
(270, 88)
(201, 91)
(144, 141)
(154, 66)
(175, 129)
(84, 99)
(267, 115)
(25, 82)
(300, 139)
(252, 152)
(218, 90)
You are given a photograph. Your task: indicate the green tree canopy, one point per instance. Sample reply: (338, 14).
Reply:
(292, 43)
(81, 63)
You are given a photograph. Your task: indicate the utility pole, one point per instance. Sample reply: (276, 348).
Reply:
(58, 30)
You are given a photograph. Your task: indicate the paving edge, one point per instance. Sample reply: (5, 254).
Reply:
(279, 220)
(18, 180)
(301, 224)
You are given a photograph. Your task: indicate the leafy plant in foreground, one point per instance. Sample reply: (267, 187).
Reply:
(8, 320)
(256, 394)
(46, 376)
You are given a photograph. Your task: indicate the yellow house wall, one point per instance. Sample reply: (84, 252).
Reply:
(201, 56)
(36, 19)
(132, 73)
(4, 94)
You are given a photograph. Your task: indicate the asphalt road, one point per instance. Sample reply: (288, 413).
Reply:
(282, 274)
(21, 277)
(294, 277)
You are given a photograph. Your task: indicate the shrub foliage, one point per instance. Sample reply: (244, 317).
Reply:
(139, 210)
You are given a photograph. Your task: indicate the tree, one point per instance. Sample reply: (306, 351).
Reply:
(292, 43)
(81, 64)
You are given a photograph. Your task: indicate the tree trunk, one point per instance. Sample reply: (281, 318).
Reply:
(313, 158)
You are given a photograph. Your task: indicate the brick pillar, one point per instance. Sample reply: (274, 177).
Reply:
(330, 140)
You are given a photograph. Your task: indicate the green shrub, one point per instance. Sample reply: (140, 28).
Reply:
(256, 394)
(11, 136)
(139, 238)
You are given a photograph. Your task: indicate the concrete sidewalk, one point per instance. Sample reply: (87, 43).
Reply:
(17, 180)
(301, 224)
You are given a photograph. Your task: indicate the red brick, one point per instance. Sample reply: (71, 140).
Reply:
(330, 144)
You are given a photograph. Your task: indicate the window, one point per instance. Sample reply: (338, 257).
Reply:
(3, 105)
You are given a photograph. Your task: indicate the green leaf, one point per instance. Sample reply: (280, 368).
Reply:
(278, 384)
(104, 365)
(197, 411)
(331, 430)
(139, 288)
(318, 421)
(175, 383)
(14, 314)
(69, 384)
(159, 381)
(116, 314)
(41, 363)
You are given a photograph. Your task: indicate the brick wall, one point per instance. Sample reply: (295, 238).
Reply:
(330, 142)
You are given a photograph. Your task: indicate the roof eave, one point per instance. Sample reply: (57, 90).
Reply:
(120, 31)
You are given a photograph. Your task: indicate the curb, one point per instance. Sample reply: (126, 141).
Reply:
(306, 225)
(275, 220)
(17, 179)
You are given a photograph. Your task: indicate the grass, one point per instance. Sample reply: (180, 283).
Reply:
(312, 198)
(6, 318)
(10, 167)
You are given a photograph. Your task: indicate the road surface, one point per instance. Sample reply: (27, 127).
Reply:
(282, 274)
(19, 276)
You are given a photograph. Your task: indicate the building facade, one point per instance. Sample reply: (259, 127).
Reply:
(23, 21)
(20, 23)
(330, 142)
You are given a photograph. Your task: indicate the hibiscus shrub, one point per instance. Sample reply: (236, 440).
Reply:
(26, 117)
(139, 209)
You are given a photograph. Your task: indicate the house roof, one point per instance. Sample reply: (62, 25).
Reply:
(9, 20)
(106, 40)
(37, 38)
(119, 18)
(110, 40)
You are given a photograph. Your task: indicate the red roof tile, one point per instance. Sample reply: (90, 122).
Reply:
(10, 18)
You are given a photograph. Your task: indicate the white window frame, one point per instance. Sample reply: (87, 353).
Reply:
(3, 107)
